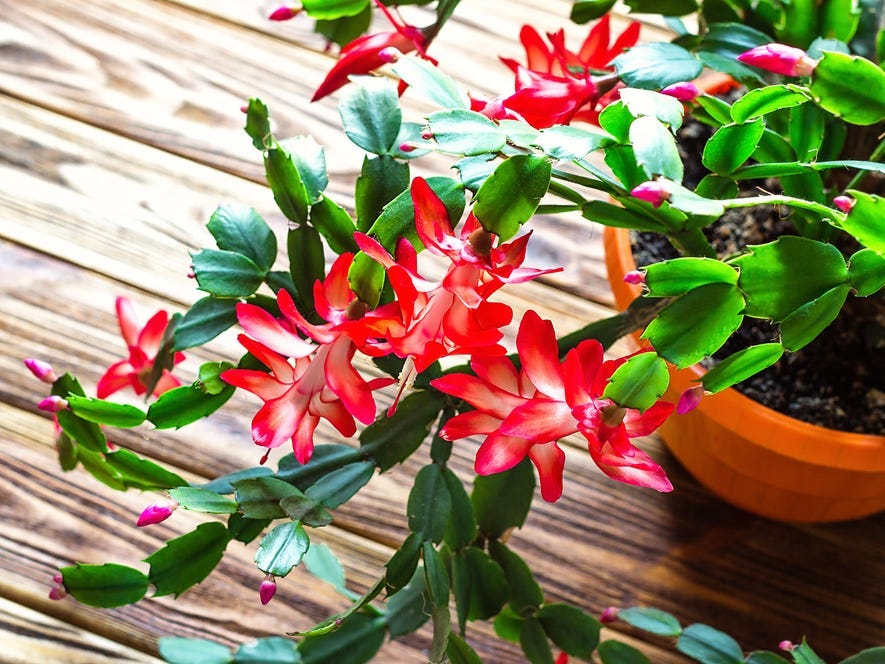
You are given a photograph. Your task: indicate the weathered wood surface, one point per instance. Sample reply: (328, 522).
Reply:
(120, 134)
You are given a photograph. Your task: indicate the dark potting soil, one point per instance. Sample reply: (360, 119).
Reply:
(836, 381)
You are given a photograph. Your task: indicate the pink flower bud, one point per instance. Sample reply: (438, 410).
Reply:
(609, 616)
(283, 14)
(58, 592)
(58, 578)
(267, 589)
(685, 91)
(651, 192)
(389, 54)
(689, 399)
(779, 59)
(52, 404)
(41, 370)
(635, 277)
(786, 645)
(156, 512)
(406, 147)
(427, 134)
(844, 203)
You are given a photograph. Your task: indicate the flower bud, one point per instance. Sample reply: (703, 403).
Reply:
(779, 59)
(58, 578)
(407, 147)
(635, 277)
(609, 616)
(53, 404)
(283, 14)
(58, 592)
(156, 512)
(427, 134)
(267, 589)
(389, 54)
(41, 370)
(651, 192)
(689, 399)
(844, 203)
(786, 645)
(684, 91)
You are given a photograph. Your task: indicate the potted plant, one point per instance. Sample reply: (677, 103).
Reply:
(321, 338)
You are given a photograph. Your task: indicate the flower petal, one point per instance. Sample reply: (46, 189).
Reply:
(129, 325)
(541, 421)
(150, 338)
(549, 459)
(499, 453)
(536, 343)
(275, 334)
(470, 423)
(119, 375)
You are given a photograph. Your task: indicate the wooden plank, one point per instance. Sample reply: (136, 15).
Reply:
(176, 80)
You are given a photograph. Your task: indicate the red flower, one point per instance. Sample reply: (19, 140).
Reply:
(364, 54)
(526, 413)
(779, 59)
(144, 344)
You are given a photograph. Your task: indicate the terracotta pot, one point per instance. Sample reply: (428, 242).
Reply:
(756, 458)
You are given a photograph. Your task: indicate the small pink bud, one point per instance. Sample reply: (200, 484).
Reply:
(685, 91)
(52, 404)
(844, 203)
(779, 59)
(244, 108)
(427, 134)
(41, 370)
(389, 54)
(58, 592)
(609, 616)
(191, 274)
(651, 192)
(407, 147)
(58, 578)
(267, 589)
(786, 645)
(635, 277)
(689, 399)
(283, 14)
(156, 513)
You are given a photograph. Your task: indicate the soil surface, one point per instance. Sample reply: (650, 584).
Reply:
(836, 381)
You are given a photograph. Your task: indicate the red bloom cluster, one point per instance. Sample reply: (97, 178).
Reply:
(556, 85)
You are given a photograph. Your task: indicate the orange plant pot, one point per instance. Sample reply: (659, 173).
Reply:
(754, 457)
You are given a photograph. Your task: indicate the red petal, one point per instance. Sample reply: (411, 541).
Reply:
(431, 217)
(347, 384)
(258, 383)
(151, 336)
(536, 343)
(642, 424)
(549, 459)
(283, 371)
(537, 54)
(266, 329)
(594, 50)
(336, 287)
(277, 420)
(118, 376)
(636, 467)
(498, 371)
(129, 326)
(478, 394)
(627, 39)
(470, 423)
(499, 453)
(361, 56)
(167, 382)
(541, 421)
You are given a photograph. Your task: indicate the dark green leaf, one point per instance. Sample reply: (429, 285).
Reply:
(381, 180)
(67, 451)
(243, 529)
(176, 650)
(697, 324)
(241, 229)
(406, 610)
(762, 101)
(332, 9)
(105, 585)
(619, 217)
(663, 7)
(462, 528)
(865, 220)
(622, 161)
(615, 652)
(534, 642)
(356, 641)
(508, 624)
(340, 485)
(430, 82)
(282, 548)
(224, 484)
(299, 507)
(205, 320)
(459, 652)
(639, 382)
(84, 433)
(306, 264)
(655, 148)
(226, 273)
(680, 275)
(389, 441)
(763, 657)
(286, 184)
(502, 501)
(657, 65)
(510, 195)
(571, 629)
(651, 620)
(260, 497)
(487, 584)
(335, 224)
(732, 145)
(403, 563)
(323, 564)
(187, 560)
(590, 10)
(616, 120)
(709, 645)
(138, 473)
(718, 109)
(803, 654)
(269, 650)
(460, 131)
(106, 412)
(185, 404)
(325, 459)
(866, 272)
(203, 500)
(429, 504)
(371, 115)
(258, 124)
(850, 87)
(525, 593)
(807, 127)
(868, 656)
(741, 365)
(803, 325)
(310, 160)
(716, 186)
(97, 465)
(775, 276)
(436, 576)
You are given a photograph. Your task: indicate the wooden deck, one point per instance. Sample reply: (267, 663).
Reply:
(120, 132)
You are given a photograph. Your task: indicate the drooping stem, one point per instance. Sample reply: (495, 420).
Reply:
(751, 201)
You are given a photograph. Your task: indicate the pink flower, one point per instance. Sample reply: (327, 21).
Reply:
(52, 404)
(525, 413)
(689, 399)
(369, 52)
(609, 615)
(844, 203)
(779, 59)
(653, 192)
(635, 277)
(267, 589)
(156, 513)
(144, 344)
(283, 13)
(58, 592)
(685, 91)
(42, 370)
